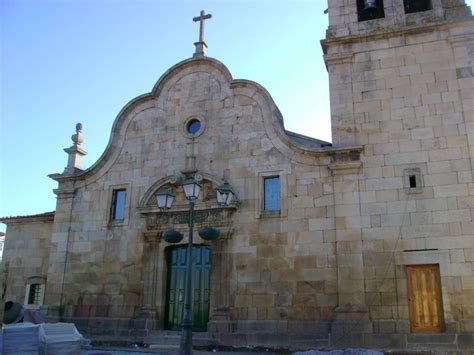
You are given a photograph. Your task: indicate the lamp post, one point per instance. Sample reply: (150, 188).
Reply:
(165, 199)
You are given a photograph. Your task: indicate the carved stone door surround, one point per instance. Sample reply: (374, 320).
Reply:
(207, 213)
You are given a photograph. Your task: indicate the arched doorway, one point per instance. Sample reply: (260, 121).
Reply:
(201, 266)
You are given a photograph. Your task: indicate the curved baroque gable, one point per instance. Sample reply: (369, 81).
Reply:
(231, 110)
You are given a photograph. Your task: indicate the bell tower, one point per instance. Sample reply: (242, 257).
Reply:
(385, 58)
(401, 76)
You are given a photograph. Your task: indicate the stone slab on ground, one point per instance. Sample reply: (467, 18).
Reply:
(20, 338)
(59, 338)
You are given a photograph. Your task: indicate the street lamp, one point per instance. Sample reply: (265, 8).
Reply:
(164, 199)
(191, 188)
(225, 194)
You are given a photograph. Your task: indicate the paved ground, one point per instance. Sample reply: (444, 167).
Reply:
(122, 352)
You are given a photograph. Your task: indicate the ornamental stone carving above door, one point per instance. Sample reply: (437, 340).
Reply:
(206, 211)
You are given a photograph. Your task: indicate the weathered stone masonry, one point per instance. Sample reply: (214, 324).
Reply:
(331, 267)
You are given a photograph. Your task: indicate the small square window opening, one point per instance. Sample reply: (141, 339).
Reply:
(271, 193)
(412, 180)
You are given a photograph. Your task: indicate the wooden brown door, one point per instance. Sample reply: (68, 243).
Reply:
(424, 299)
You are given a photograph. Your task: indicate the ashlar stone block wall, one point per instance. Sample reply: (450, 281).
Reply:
(332, 261)
(26, 256)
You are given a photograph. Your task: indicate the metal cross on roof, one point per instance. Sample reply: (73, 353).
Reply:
(201, 18)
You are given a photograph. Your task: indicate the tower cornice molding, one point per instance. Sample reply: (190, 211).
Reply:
(396, 32)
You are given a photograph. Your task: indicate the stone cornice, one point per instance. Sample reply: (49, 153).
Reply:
(390, 32)
(65, 178)
(342, 168)
(461, 39)
(339, 58)
(323, 150)
(346, 161)
(339, 153)
(65, 192)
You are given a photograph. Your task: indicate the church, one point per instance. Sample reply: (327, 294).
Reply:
(367, 241)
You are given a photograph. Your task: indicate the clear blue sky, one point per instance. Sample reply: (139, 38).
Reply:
(69, 61)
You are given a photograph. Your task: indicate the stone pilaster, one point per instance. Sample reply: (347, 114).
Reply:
(463, 47)
(351, 312)
(58, 255)
(344, 125)
(219, 320)
(150, 279)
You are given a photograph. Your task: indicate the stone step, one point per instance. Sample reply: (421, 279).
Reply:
(173, 338)
(171, 348)
(178, 333)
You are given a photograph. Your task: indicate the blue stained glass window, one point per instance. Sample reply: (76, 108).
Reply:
(271, 198)
(118, 205)
(193, 126)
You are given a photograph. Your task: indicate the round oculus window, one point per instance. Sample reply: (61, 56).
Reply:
(193, 126)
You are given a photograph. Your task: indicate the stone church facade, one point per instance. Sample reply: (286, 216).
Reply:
(368, 241)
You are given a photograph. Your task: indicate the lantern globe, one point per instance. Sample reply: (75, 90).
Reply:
(164, 197)
(191, 188)
(225, 194)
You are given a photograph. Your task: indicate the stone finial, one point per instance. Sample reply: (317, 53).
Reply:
(78, 138)
(75, 152)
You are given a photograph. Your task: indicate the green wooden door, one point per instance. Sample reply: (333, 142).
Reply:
(176, 280)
